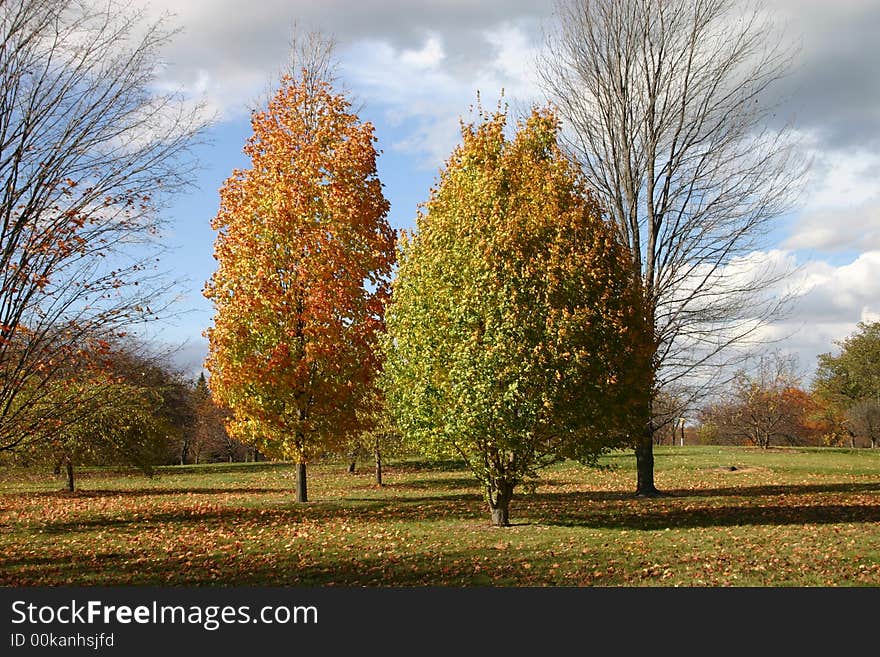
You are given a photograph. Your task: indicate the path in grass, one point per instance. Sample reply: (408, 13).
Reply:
(785, 517)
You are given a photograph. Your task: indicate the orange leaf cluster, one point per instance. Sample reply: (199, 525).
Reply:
(304, 256)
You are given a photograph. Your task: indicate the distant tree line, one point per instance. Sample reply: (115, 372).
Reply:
(768, 406)
(135, 408)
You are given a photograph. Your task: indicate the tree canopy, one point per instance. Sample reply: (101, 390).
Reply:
(304, 254)
(849, 382)
(514, 335)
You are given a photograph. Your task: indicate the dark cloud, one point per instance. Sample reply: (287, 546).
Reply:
(219, 29)
(834, 88)
(833, 91)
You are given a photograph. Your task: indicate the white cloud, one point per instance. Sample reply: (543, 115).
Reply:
(849, 290)
(423, 96)
(428, 58)
(841, 210)
(515, 57)
(829, 301)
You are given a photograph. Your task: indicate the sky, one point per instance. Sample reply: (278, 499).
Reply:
(415, 68)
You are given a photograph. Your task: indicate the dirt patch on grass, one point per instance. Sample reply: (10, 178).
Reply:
(737, 469)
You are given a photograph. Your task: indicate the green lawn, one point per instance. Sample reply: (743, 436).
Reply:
(781, 518)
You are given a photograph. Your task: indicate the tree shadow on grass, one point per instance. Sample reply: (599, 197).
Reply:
(443, 465)
(145, 492)
(447, 483)
(596, 509)
(583, 510)
(774, 489)
(730, 516)
(223, 468)
(289, 568)
(729, 491)
(355, 509)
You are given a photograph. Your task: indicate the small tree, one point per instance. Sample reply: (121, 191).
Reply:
(854, 373)
(123, 425)
(512, 333)
(206, 422)
(304, 254)
(765, 406)
(379, 438)
(132, 407)
(150, 369)
(863, 419)
(129, 413)
(668, 416)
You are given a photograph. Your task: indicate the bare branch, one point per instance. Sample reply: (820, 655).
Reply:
(664, 102)
(89, 152)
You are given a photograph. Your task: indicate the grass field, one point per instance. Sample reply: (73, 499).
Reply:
(780, 518)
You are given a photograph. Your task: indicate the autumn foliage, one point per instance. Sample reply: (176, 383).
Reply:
(304, 254)
(512, 333)
(90, 150)
(764, 408)
(848, 386)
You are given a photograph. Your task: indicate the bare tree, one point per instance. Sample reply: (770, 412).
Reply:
(666, 109)
(88, 154)
(668, 415)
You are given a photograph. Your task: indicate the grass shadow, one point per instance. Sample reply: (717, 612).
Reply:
(584, 510)
(427, 465)
(143, 492)
(447, 483)
(773, 489)
(595, 509)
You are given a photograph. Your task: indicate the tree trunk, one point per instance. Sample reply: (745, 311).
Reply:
(501, 516)
(645, 465)
(301, 483)
(378, 456)
(499, 504)
(69, 465)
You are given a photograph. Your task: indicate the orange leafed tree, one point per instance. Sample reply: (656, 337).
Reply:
(304, 255)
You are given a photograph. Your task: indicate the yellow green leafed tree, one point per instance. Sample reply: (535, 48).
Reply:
(514, 337)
